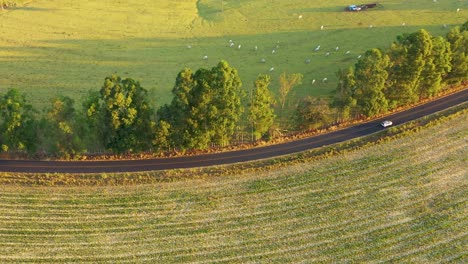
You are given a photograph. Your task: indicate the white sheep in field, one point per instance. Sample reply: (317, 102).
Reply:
(273, 51)
(325, 79)
(231, 45)
(359, 56)
(327, 54)
(313, 81)
(317, 48)
(300, 16)
(337, 48)
(321, 27)
(263, 60)
(239, 46)
(255, 48)
(189, 46)
(307, 61)
(347, 52)
(272, 69)
(205, 57)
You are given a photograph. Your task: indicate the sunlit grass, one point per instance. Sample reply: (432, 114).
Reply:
(403, 200)
(68, 47)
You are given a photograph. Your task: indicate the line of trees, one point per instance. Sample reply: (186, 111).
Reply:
(205, 111)
(210, 107)
(415, 67)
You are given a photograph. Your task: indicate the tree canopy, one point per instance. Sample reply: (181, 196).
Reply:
(261, 113)
(16, 122)
(123, 114)
(206, 107)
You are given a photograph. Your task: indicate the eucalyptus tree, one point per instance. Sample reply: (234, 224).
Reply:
(174, 116)
(261, 114)
(408, 57)
(17, 123)
(122, 115)
(206, 107)
(228, 95)
(458, 39)
(437, 66)
(343, 99)
(61, 135)
(370, 76)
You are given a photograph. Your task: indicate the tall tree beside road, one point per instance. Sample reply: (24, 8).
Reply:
(206, 107)
(370, 75)
(408, 57)
(458, 39)
(176, 114)
(261, 114)
(228, 95)
(124, 113)
(61, 133)
(343, 99)
(17, 124)
(437, 66)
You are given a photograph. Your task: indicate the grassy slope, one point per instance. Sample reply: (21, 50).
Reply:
(67, 47)
(403, 201)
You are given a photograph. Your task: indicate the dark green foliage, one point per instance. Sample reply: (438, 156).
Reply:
(206, 107)
(261, 114)
(415, 67)
(202, 111)
(343, 99)
(61, 132)
(458, 39)
(17, 123)
(408, 56)
(228, 95)
(464, 27)
(436, 67)
(370, 75)
(89, 121)
(312, 113)
(121, 115)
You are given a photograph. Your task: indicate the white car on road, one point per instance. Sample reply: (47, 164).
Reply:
(386, 123)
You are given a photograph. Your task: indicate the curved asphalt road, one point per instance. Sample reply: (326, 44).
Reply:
(233, 156)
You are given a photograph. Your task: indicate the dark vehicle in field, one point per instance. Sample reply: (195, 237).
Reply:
(361, 7)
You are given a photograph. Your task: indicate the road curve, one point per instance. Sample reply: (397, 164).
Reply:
(29, 166)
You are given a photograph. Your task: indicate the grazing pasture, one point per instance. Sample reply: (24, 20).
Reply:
(50, 47)
(403, 200)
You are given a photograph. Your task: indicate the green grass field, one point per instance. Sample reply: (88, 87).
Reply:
(50, 47)
(402, 201)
